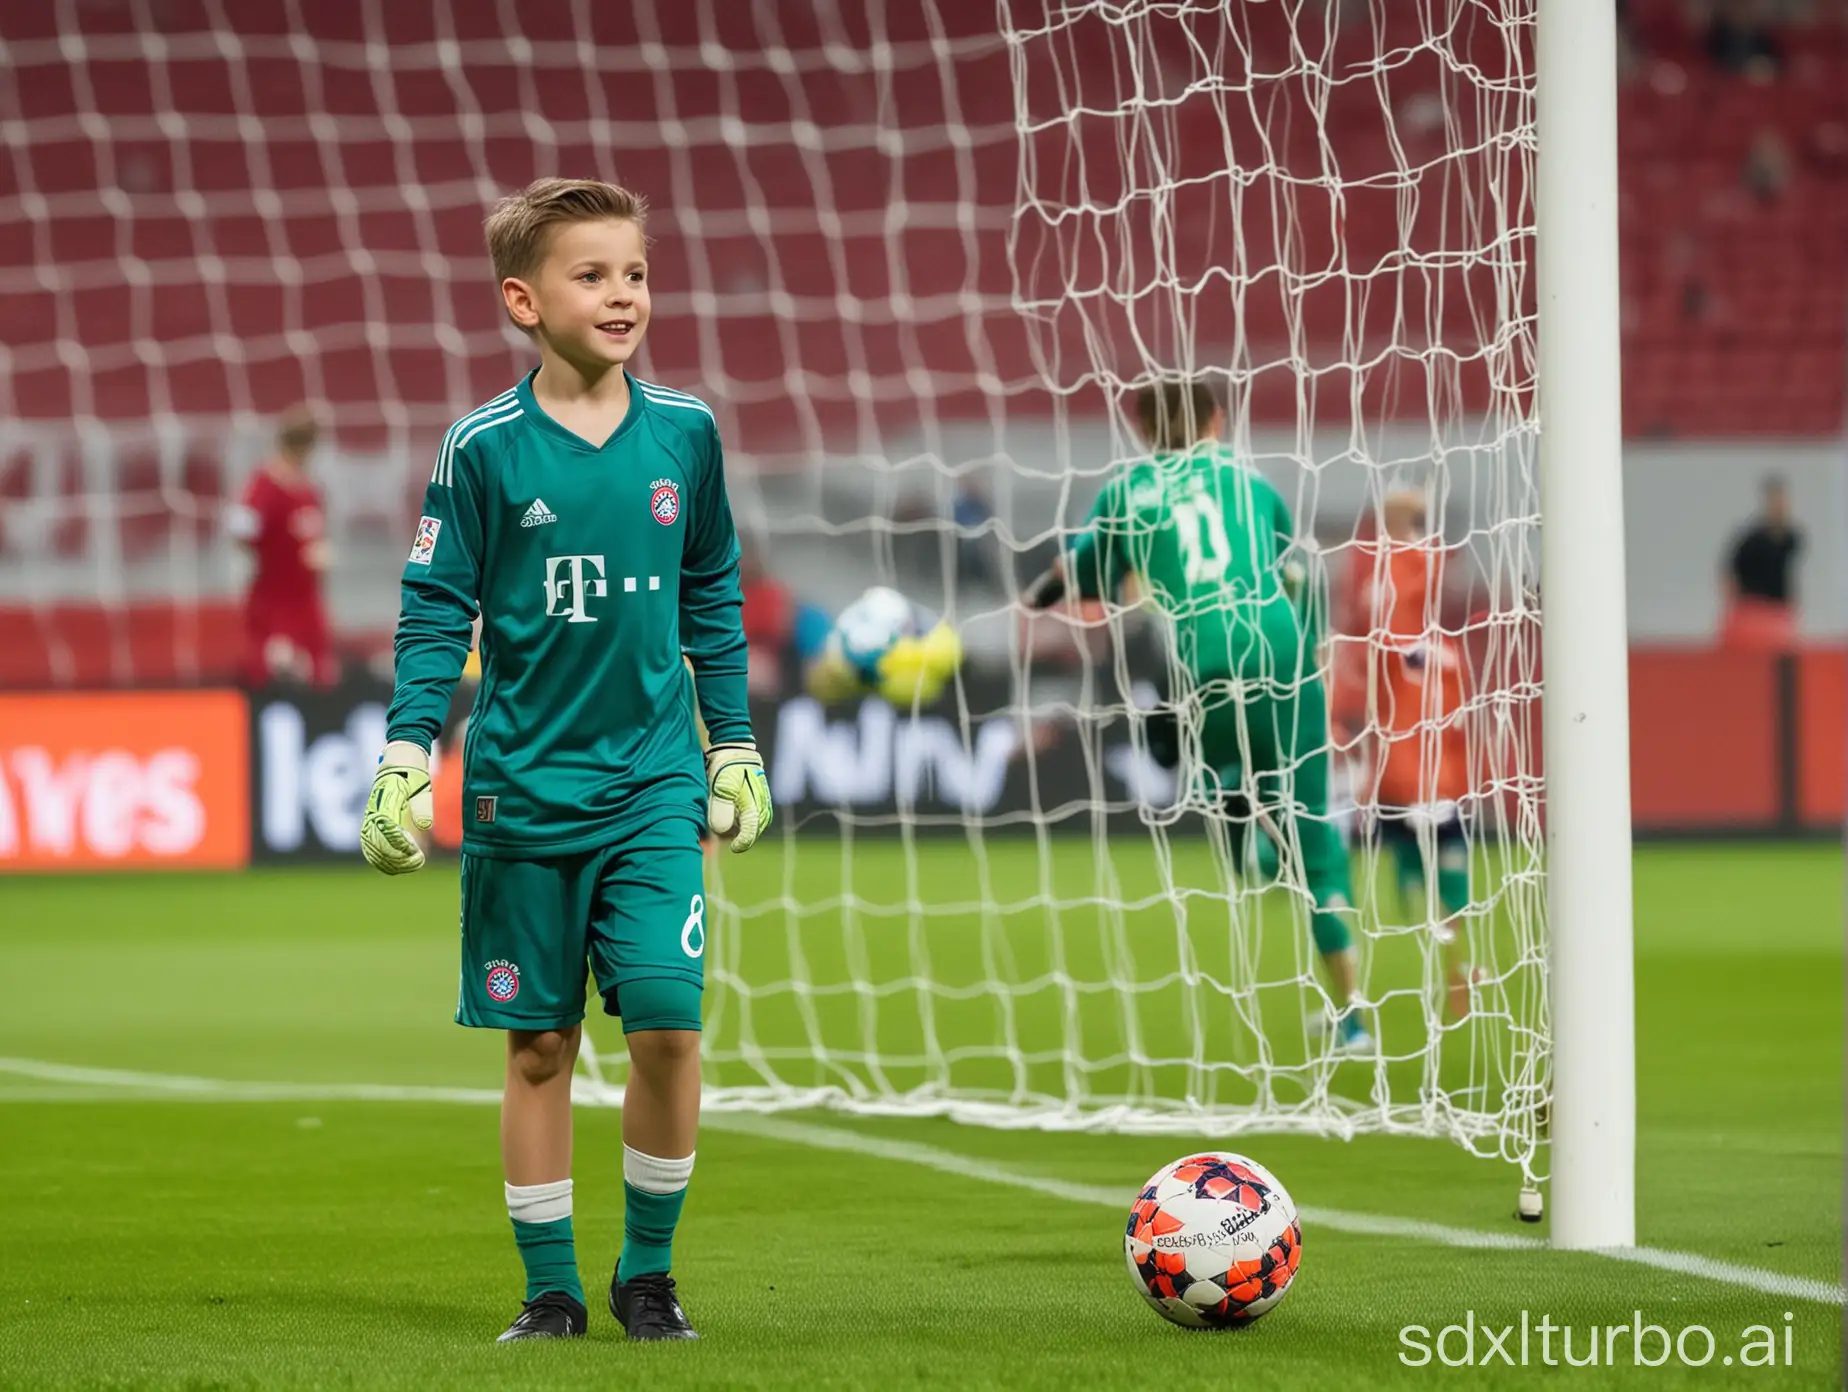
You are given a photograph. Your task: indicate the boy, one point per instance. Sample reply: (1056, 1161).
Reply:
(281, 520)
(583, 515)
(1407, 685)
(1209, 538)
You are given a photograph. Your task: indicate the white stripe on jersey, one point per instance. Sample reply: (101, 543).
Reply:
(461, 431)
(484, 425)
(664, 396)
(468, 427)
(437, 474)
(664, 391)
(444, 472)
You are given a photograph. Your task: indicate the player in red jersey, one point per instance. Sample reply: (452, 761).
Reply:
(280, 519)
(1405, 682)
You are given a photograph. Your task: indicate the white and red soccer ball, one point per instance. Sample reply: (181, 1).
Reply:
(1213, 1241)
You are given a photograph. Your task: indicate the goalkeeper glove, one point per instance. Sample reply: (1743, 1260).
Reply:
(402, 784)
(738, 805)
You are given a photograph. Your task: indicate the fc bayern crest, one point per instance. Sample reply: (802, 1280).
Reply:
(665, 502)
(503, 981)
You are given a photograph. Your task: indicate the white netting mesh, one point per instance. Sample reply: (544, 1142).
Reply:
(1324, 210)
(917, 256)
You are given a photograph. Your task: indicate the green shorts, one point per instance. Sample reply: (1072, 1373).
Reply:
(633, 911)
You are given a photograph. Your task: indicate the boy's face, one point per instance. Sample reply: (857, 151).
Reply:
(589, 298)
(1405, 517)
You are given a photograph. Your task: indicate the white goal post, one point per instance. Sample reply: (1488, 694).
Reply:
(1587, 710)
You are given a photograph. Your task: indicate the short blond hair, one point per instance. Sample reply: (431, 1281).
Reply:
(520, 226)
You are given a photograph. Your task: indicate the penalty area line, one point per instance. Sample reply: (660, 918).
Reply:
(73, 1082)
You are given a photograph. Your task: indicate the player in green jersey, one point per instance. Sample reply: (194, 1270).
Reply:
(1211, 543)
(582, 514)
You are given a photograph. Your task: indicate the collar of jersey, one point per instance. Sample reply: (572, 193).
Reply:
(536, 413)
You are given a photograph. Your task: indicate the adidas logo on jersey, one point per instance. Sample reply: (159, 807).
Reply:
(538, 514)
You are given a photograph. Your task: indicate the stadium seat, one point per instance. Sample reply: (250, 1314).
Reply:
(326, 247)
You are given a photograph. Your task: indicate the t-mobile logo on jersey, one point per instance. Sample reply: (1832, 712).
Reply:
(569, 581)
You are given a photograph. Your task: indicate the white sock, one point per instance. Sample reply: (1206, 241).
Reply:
(539, 1203)
(653, 1175)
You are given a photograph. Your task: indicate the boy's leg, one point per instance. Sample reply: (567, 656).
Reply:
(1452, 865)
(660, 1126)
(536, 1104)
(1303, 733)
(536, 1156)
(1285, 736)
(1399, 844)
(1327, 876)
(648, 950)
(1418, 844)
(1226, 751)
(1452, 856)
(524, 926)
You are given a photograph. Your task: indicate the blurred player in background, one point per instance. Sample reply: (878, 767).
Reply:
(281, 520)
(582, 516)
(769, 619)
(1211, 542)
(1402, 685)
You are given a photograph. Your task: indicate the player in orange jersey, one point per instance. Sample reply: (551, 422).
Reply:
(1406, 683)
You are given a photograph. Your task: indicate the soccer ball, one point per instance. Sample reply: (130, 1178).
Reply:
(1213, 1241)
(873, 625)
(885, 643)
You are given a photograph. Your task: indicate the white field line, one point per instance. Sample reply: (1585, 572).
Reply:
(81, 1083)
(177, 1086)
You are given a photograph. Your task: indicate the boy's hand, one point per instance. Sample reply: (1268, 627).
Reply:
(738, 805)
(402, 784)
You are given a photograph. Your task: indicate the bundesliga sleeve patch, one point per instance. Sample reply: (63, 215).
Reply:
(425, 546)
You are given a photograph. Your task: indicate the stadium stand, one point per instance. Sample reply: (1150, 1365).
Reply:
(204, 223)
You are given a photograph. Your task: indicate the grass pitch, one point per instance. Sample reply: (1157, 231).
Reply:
(199, 1241)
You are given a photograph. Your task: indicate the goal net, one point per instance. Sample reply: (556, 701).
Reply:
(920, 257)
(978, 242)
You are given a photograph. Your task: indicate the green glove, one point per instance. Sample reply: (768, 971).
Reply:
(402, 784)
(738, 808)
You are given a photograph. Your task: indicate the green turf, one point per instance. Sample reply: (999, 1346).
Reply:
(876, 966)
(205, 1244)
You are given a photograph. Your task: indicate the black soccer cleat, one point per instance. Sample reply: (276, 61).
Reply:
(648, 1308)
(548, 1315)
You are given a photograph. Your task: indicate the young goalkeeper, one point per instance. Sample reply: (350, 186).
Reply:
(1210, 539)
(583, 514)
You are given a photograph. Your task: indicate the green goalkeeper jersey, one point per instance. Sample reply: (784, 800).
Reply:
(593, 569)
(1208, 538)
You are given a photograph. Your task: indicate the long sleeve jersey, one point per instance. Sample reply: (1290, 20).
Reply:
(1208, 537)
(593, 569)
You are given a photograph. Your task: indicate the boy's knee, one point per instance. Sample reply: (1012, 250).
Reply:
(538, 1056)
(663, 1049)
